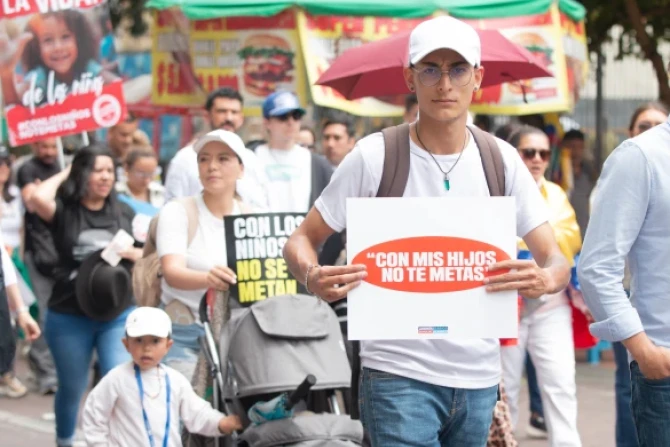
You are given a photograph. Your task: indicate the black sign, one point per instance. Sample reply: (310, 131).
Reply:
(254, 243)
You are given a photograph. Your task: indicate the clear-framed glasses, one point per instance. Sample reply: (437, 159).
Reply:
(459, 75)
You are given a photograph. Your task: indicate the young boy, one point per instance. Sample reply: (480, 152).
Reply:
(139, 403)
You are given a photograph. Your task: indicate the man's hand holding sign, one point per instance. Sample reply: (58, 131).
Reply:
(471, 278)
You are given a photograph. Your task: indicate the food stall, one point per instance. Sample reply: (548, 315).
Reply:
(259, 46)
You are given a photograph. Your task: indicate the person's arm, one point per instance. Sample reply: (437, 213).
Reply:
(172, 248)
(331, 283)
(43, 199)
(16, 306)
(98, 411)
(619, 210)
(12, 52)
(199, 416)
(548, 271)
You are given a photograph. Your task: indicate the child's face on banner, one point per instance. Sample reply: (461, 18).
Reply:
(58, 45)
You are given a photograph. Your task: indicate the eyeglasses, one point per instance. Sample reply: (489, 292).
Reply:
(143, 175)
(459, 75)
(530, 154)
(296, 115)
(644, 126)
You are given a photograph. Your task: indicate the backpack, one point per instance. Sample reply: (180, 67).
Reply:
(393, 183)
(147, 273)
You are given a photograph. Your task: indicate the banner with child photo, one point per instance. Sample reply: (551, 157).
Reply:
(55, 81)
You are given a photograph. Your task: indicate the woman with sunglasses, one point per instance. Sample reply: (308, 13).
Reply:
(545, 328)
(139, 189)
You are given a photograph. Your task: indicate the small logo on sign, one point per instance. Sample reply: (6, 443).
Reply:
(106, 111)
(433, 329)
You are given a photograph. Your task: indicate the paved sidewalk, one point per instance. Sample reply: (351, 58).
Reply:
(22, 425)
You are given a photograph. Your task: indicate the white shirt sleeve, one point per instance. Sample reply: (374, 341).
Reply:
(196, 413)
(98, 411)
(172, 231)
(531, 208)
(352, 178)
(8, 270)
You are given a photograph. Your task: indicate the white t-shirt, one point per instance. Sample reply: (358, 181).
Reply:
(112, 415)
(11, 218)
(208, 248)
(452, 363)
(288, 178)
(183, 178)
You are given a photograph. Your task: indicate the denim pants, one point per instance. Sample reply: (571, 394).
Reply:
(626, 436)
(72, 339)
(401, 412)
(183, 356)
(651, 408)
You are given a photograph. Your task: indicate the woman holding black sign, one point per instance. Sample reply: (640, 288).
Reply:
(191, 243)
(91, 298)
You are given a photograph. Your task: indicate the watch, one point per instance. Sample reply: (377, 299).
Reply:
(20, 310)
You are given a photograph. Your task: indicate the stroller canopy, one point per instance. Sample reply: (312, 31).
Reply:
(274, 344)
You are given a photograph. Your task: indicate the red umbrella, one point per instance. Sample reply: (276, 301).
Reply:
(375, 68)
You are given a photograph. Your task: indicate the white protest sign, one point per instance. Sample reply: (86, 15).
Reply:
(426, 260)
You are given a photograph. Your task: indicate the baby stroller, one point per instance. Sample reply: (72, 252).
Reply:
(272, 349)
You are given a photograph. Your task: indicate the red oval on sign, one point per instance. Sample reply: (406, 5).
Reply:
(429, 264)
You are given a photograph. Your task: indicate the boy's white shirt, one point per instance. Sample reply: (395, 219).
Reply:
(113, 412)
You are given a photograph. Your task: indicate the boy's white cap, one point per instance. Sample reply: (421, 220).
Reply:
(148, 321)
(230, 139)
(445, 32)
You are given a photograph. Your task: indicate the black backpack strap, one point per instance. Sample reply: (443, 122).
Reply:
(492, 161)
(393, 183)
(396, 161)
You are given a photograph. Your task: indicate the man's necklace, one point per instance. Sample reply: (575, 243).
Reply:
(447, 184)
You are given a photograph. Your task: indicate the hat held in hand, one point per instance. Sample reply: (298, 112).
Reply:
(103, 292)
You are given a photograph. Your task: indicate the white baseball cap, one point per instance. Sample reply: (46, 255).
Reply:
(230, 139)
(445, 32)
(148, 321)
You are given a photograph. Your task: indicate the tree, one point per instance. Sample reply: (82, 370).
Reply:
(645, 23)
(132, 11)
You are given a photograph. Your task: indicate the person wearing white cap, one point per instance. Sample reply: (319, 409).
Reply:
(144, 401)
(432, 393)
(189, 269)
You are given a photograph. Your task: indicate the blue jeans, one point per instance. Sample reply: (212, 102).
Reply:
(651, 408)
(533, 388)
(71, 339)
(401, 412)
(626, 436)
(183, 356)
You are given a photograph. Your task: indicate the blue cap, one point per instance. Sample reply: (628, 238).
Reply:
(281, 103)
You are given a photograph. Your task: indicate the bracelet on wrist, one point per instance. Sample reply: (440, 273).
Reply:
(20, 310)
(309, 269)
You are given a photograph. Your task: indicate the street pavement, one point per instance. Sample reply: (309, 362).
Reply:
(24, 422)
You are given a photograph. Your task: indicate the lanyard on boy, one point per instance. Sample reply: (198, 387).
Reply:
(147, 426)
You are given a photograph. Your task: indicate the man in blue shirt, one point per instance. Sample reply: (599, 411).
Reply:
(630, 220)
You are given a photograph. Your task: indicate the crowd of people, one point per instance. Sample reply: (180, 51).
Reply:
(56, 222)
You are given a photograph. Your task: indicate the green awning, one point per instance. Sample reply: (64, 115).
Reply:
(484, 9)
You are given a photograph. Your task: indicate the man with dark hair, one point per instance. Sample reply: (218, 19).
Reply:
(120, 140)
(224, 111)
(338, 138)
(40, 256)
(583, 177)
(411, 108)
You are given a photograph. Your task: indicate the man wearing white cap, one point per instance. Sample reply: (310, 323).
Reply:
(159, 394)
(432, 393)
